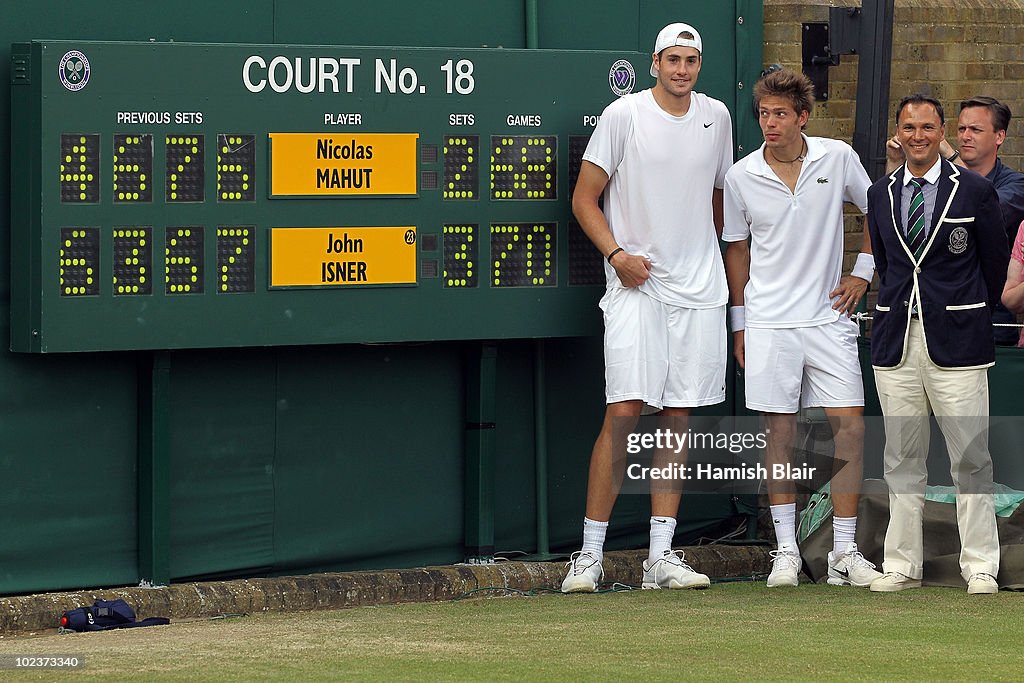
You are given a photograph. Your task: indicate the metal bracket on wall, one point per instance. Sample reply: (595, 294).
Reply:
(824, 43)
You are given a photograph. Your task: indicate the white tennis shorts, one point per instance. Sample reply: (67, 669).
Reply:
(666, 356)
(817, 367)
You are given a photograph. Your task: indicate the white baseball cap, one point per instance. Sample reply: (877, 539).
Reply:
(669, 37)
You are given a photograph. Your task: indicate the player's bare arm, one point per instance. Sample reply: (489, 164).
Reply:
(851, 288)
(737, 272)
(632, 269)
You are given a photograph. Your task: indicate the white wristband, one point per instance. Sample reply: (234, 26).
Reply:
(737, 318)
(865, 267)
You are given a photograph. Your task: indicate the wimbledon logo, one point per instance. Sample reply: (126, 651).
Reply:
(74, 70)
(621, 78)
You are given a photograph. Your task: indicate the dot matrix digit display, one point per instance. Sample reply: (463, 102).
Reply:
(183, 260)
(460, 256)
(79, 168)
(133, 256)
(79, 261)
(236, 168)
(186, 175)
(133, 168)
(235, 251)
(586, 265)
(524, 167)
(577, 146)
(461, 167)
(523, 254)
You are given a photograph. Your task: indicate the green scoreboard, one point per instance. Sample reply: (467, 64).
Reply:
(172, 195)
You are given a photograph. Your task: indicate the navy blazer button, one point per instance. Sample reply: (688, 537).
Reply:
(906, 303)
(917, 270)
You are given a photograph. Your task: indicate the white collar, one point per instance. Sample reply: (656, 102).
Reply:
(759, 166)
(931, 175)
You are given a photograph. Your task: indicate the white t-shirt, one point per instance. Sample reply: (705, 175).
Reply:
(662, 170)
(796, 238)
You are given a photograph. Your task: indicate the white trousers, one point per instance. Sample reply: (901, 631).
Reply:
(959, 400)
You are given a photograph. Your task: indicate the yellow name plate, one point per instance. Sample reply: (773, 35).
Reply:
(336, 257)
(329, 165)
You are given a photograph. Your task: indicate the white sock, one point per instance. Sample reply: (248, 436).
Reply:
(784, 519)
(662, 531)
(844, 529)
(593, 536)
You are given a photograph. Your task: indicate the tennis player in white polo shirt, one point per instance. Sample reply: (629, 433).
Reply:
(790, 307)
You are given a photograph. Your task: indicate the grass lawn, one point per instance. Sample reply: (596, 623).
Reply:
(734, 631)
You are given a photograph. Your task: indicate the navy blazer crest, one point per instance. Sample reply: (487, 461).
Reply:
(956, 282)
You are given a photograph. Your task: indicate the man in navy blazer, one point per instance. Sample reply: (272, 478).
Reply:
(941, 254)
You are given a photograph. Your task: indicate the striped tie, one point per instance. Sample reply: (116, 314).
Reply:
(915, 219)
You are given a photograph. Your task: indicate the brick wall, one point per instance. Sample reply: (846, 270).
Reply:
(951, 49)
(783, 38)
(958, 48)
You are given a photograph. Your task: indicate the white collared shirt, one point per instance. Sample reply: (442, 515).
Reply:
(796, 238)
